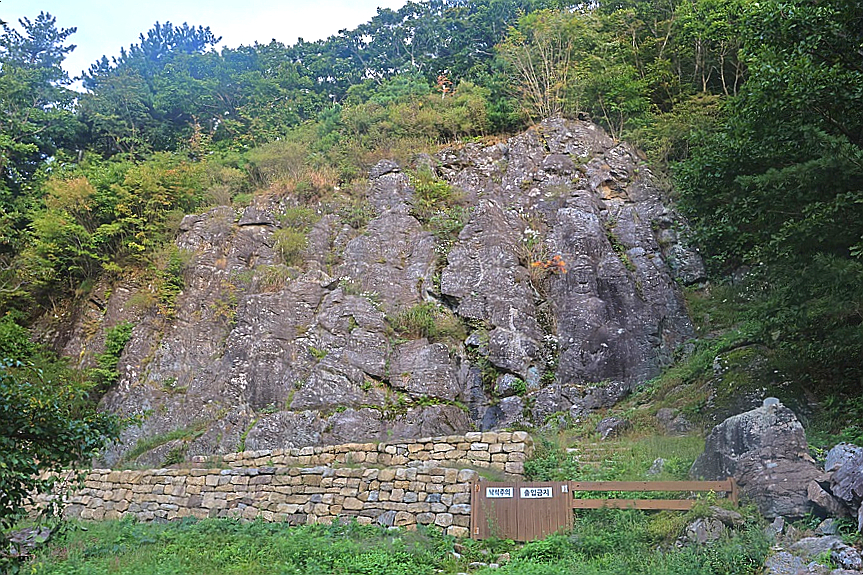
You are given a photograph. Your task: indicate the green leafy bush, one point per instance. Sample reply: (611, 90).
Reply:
(44, 426)
(116, 338)
(290, 245)
(428, 320)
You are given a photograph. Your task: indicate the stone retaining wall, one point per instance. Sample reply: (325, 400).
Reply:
(501, 451)
(403, 484)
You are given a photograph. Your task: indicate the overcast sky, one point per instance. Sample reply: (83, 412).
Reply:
(106, 26)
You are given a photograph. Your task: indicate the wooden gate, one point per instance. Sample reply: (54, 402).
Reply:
(529, 511)
(520, 511)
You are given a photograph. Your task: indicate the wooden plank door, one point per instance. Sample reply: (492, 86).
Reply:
(520, 511)
(494, 510)
(543, 508)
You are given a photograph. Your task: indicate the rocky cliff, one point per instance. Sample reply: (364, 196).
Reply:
(560, 293)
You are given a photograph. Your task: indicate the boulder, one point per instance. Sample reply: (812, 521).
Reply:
(848, 558)
(766, 451)
(611, 427)
(22, 542)
(839, 455)
(827, 527)
(824, 501)
(846, 483)
(811, 548)
(672, 421)
(728, 517)
(784, 563)
(704, 530)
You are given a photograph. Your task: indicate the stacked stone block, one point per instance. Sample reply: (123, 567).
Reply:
(501, 451)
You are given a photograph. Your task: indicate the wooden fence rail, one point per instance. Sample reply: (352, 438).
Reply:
(728, 486)
(528, 511)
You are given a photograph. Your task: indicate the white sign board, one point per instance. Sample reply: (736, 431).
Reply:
(536, 492)
(498, 492)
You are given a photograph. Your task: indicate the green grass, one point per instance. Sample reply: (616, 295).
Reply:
(623, 543)
(229, 547)
(602, 543)
(147, 443)
(623, 459)
(429, 320)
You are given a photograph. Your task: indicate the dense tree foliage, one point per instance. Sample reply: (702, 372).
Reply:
(47, 421)
(778, 186)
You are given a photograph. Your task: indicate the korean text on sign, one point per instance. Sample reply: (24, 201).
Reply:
(498, 492)
(536, 492)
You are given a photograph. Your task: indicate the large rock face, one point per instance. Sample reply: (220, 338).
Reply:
(766, 451)
(564, 279)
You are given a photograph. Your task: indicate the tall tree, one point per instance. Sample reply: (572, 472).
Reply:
(36, 107)
(150, 96)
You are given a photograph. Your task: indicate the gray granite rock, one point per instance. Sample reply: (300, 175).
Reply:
(766, 451)
(281, 353)
(824, 501)
(810, 548)
(846, 483)
(704, 530)
(611, 427)
(839, 455)
(848, 558)
(784, 563)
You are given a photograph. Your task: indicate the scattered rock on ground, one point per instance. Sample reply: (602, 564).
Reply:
(704, 530)
(826, 527)
(784, 563)
(810, 548)
(672, 421)
(611, 427)
(657, 466)
(22, 542)
(729, 517)
(848, 558)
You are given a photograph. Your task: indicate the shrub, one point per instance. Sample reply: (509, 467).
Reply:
(290, 244)
(431, 195)
(44, 426)
(116, 338)
(428, 320)
(298, 217)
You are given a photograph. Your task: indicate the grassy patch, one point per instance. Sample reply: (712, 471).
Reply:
(147, 443)
(433, 195)
(290, 245)
(603, 542)
(626, 459)
(428, 320)
(232, 547)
